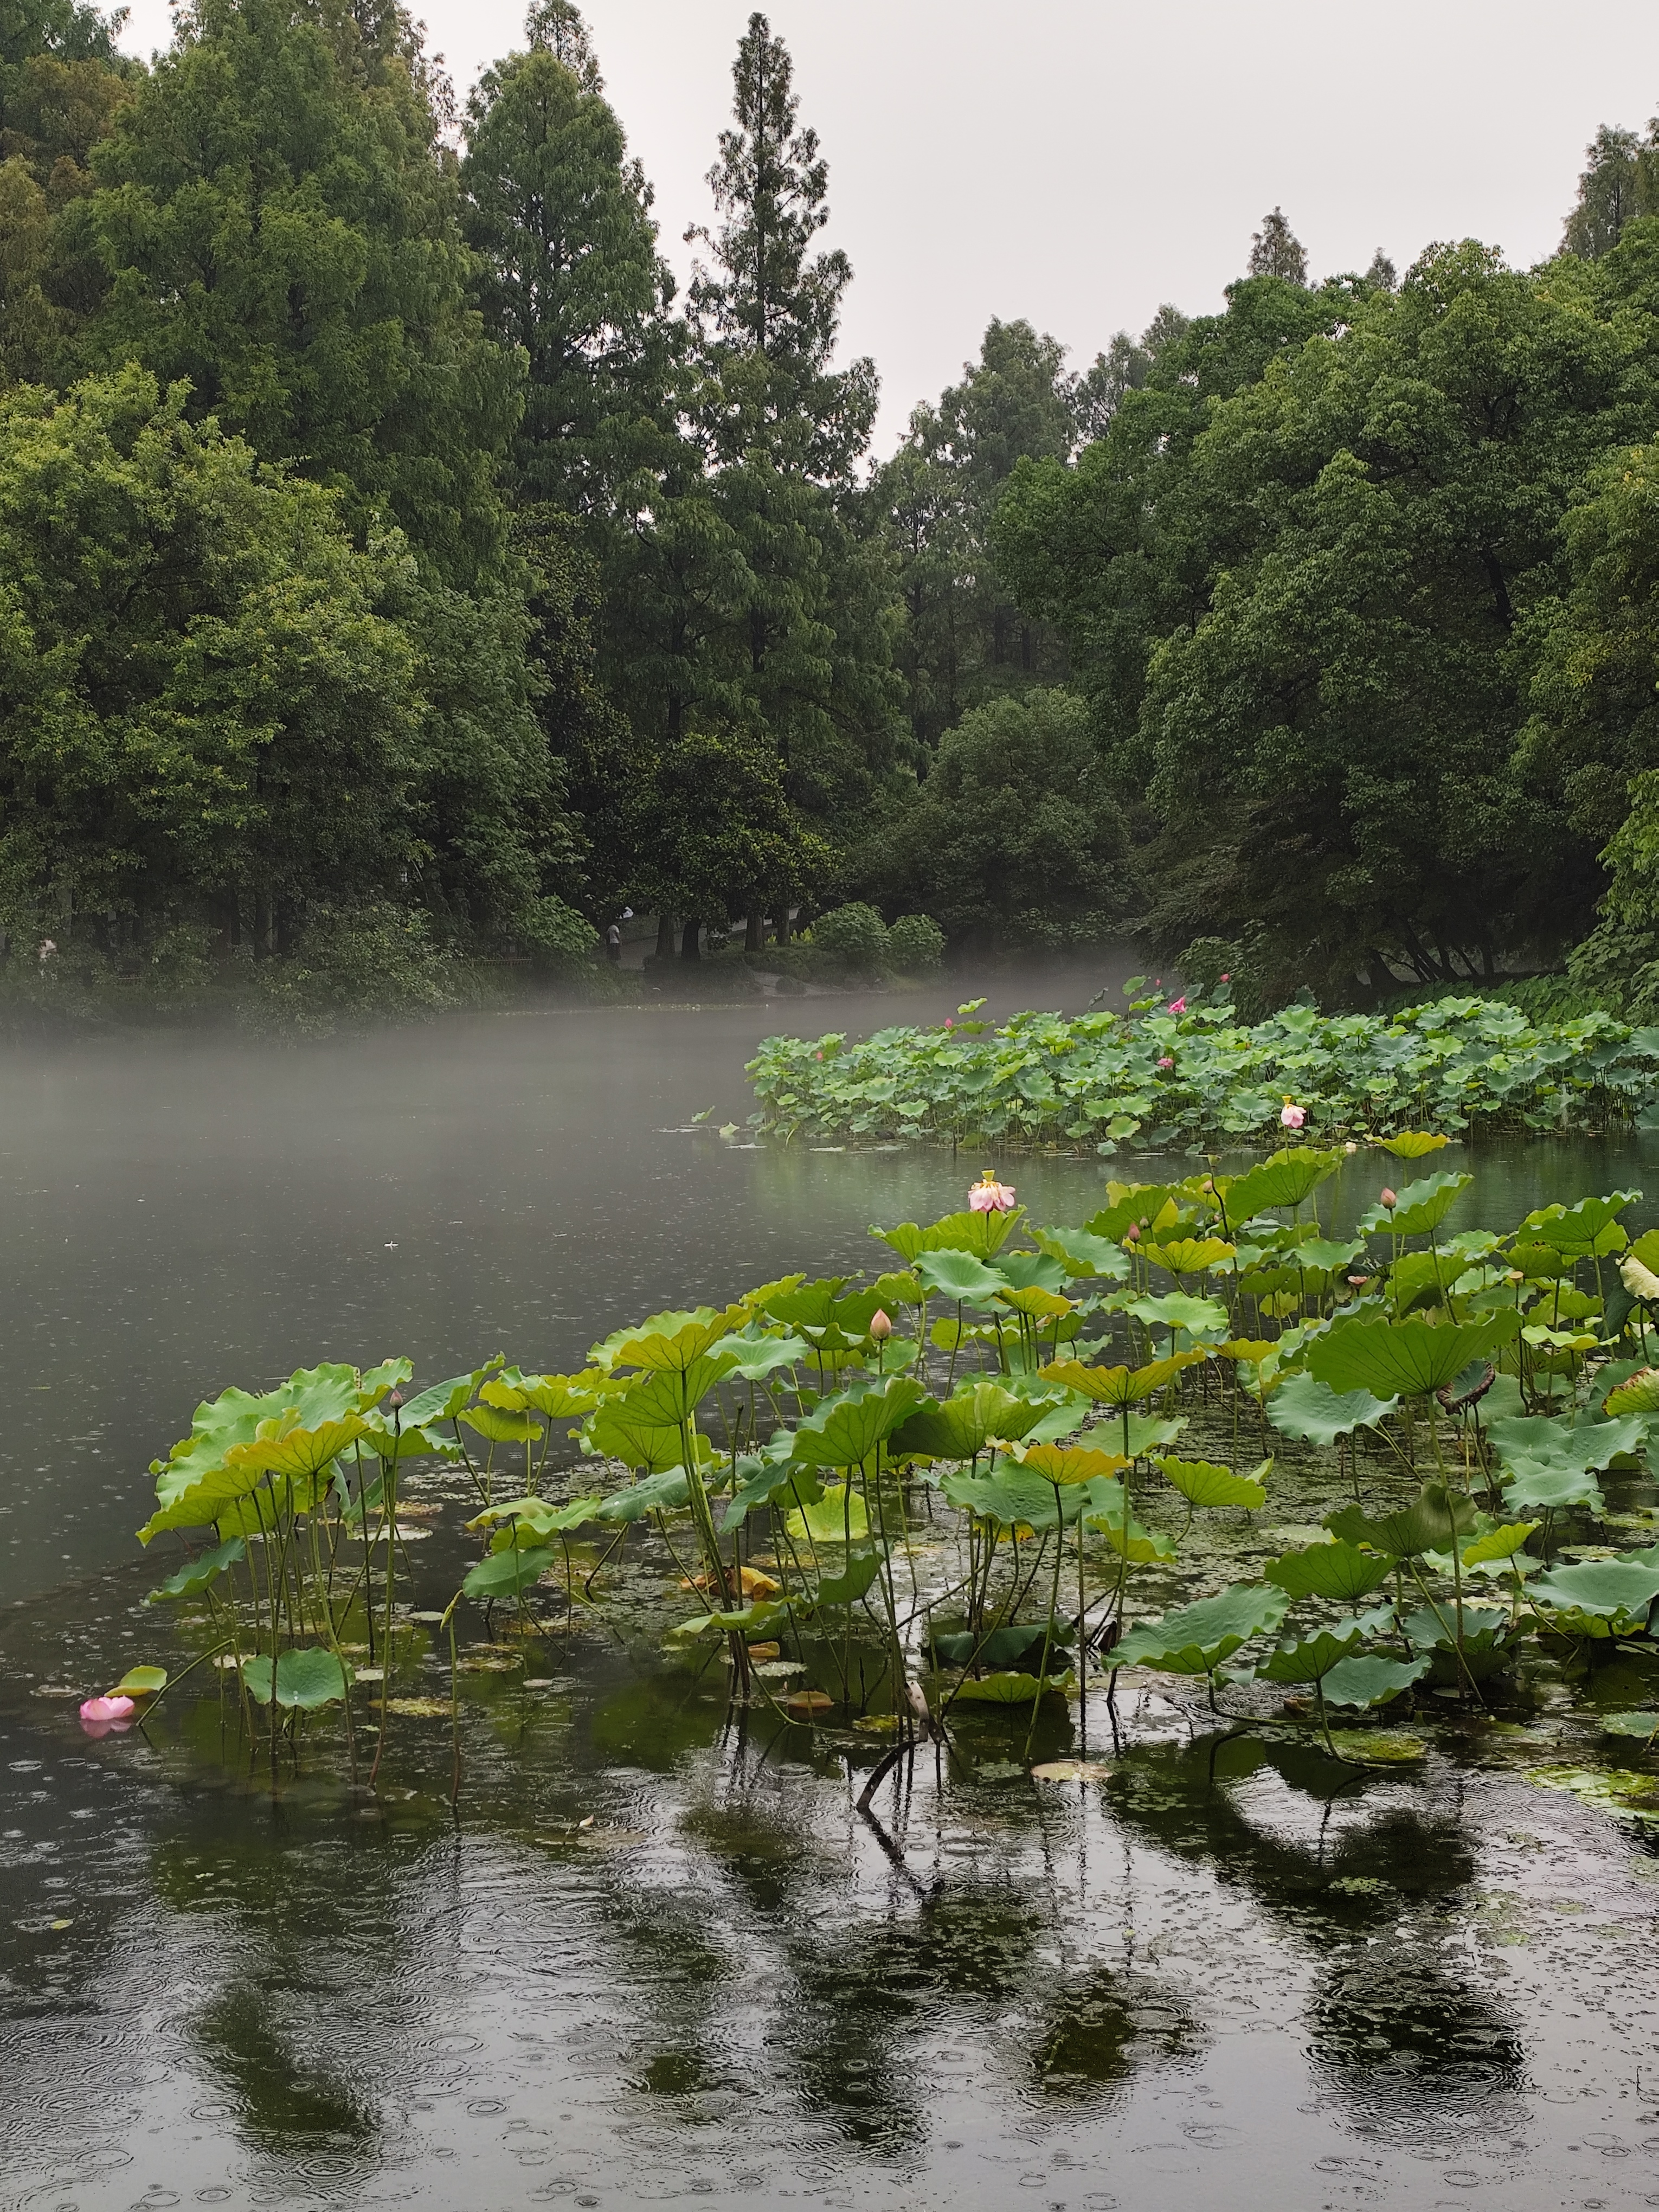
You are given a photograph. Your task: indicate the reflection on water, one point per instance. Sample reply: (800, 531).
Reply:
(1232, 1969)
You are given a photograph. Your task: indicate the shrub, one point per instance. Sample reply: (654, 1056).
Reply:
(915, 943)
(854, 934)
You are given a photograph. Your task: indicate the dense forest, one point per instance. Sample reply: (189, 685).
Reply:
(395, 566)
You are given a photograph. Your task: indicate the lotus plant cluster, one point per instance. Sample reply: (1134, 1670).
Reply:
(1187, 1072)
(967, 1479)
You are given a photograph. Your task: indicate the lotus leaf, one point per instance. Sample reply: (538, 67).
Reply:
(677, 1346)
(1071, 1462)
(1110, 1517)
(648, 1447)
(506, 1573)
(1196, 1639)
(1412, 1144)
(1339, 1569)
(200, 1573)
(1177, 1310)
(1639, 1724)
(442, 1401)
(1014, 1498)
(844, 1432)
(140, 1682)
(1119, 1386)
(560, 1397)
(1191, 1255)
(1287, 1179)
(1626, 1585)
(303, 1679)
(664, 1489)
(1311, 1410)
(1433, 1522)
(960, 1275)
(1001, 1647)
(1405, 1358)
(850, 1584)
(1640, 1393)
(1588, 1229)
(1421, 1206)
(746, 1621)
(1310, 1660)
(837, 1518)
(1369, 1679)
(1083, 1257)
(1010, 1689)
(1501, 1543)
(1548, 1486)
(960, 1427)
(523, 1520)
(1202, 1484)
(497, 1427)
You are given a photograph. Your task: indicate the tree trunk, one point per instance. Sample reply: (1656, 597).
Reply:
(754, 935)
(690, 940)
(782, 930)
(664, 936)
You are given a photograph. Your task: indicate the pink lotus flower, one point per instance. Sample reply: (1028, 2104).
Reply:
(99, 1712)
(1134, 1232)
(987, 1195)
(950, 1021)
(1226, 979)
(1292, 1115)
(1166, 1062)
(880, 1327)
(1389, 1199)
(1176, 1006)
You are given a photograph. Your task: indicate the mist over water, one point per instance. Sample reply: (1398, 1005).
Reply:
(182, 1210)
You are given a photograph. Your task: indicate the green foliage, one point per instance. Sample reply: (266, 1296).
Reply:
(1101, 1079)
(1013, 838)
(856, 934)
(915, 945)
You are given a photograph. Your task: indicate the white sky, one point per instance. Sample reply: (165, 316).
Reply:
(1079, 162)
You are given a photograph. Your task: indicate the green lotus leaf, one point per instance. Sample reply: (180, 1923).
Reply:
(754, 1357)
(140, 1682)
(960, 1427)
(1421, 1206)
(1588, 1229)
(1539, 1440)
(1310, 1660)
(1119, 1386)
(748, 1620)
(498, 1427)
(1641, 1724)
(1287, 1179)
(560, 1397)
(765, 1481)
(1626, 1585)
(527, 1520)
(1012, 1689)
(959, 1275)
(1339, 1570)
(1369, 1679)
(1083, 1257)
(670, 1343)
(1032, 1271)
(648, 1447)
(1001, 1648)
(1177, 1310)
(1436, 1519)
(1014, 1498)
(850, 1584)
(1071, 1462)
(1110, 1517)
(664, 1489)
(837, 1518)
(1498, 1543)
(1405, 1358)
(304, 1678)
(1412, 1144)
(442, 1401)
(844, 1432)
(507, 1573)
(200, 1573)
(1537, 1485)
(1639, 1393)
(1198, 1638)
(984, 1235)
(665, 1396)
(1312, 1411)
(1203, 1484)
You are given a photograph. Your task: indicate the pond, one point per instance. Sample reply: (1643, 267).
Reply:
(652, 1951)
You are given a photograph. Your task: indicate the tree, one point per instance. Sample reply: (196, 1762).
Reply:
(279, 220)
(568, 269)
(1015, 838)
(203, 713)
(1276, 251)
(61, 82)
(1610, 194)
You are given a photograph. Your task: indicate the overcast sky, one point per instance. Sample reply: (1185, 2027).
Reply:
(1079, 162)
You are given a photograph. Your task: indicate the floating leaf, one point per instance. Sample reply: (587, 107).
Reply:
(1071, 1769)
(1000, 1648)
(304, 1678)
(748, 1620)
(1626, 1585)
(1012, 1689)
(140, 1682)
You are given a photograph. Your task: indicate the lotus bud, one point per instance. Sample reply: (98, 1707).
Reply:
(880, 1327)
(987, 1195)
(1177, 1005)
(1389, 1199)
(396, 1400)
(1166, 1062)
(1134, 1232)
